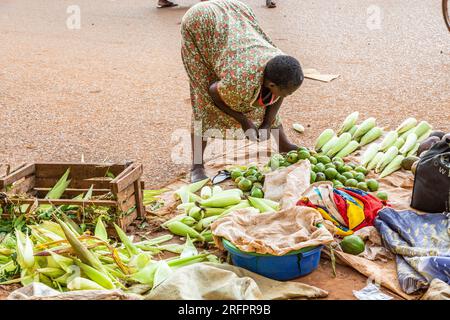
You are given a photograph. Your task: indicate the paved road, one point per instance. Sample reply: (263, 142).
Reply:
(115, 89)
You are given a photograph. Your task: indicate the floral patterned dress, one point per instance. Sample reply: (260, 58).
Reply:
(222, 41)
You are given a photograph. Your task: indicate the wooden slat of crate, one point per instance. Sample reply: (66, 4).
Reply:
(78, 171)
(74, 184)
(127, 220)
(126, 204)
(59, 202)
(123, 181)
(17, 175)
(70, 192)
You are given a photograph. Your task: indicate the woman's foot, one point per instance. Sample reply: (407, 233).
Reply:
(198, 173)
(286, 147)
(166, 4)
(270, 4)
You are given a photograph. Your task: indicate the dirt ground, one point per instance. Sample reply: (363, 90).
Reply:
(116, 89)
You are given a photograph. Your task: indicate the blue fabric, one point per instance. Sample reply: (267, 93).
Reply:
(421, 244)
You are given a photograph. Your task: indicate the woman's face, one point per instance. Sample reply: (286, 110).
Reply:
(280, 91)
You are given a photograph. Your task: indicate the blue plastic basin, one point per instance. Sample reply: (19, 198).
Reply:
(290, 266)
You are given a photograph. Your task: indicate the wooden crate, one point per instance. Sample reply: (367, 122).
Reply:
(36, 179)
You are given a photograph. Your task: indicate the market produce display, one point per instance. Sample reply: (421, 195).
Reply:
(201, 210)
(62, 257)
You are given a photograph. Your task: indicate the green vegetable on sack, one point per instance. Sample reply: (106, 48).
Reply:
(352, 244)
(329, 145)
(323, 138)
(348, 149)
(370, 136)
(389, 140)
(260, 204)
(303, 154)
(387, 158)
(409, 143)
(292, 157)
(372, 184)
(373, 163)
(341, 142)
(406, 125)
(365, 127)
(352, 183)
(353, 129)
(245, 184)
(320, 176)
(395, 165)
(349, 122)
(382, 195)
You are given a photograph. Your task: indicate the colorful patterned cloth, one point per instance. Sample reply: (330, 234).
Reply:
(348, 209)
(222, 41)
(421, 244)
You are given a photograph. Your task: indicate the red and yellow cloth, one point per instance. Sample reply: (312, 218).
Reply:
(348, 209)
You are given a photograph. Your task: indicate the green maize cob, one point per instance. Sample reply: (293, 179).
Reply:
(405, 134)
(424, 136)
(329, 145)
(353, 129)
(79, 283)
(365, 127)
(369, 154)
(409, 143)
(206, 192)
(393, 166)
(341, 142)
(51, 272)
(390, 154)
(413, 151)
(260, 205)
(242, 205)
(324, 137)
(221, 200)
(196, 213)
(388, 140)
(348, 149)
(406, 125)
(99, 277)
(180, 229)
(349, 122)
(370, 136)
(373, 163)
(422, 128)
(399, 142)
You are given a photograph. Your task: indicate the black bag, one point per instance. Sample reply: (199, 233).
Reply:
(431, 192)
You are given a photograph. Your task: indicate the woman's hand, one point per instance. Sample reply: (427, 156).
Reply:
(250, 130)
(264, 132)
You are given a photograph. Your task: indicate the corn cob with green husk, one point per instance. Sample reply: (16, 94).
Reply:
(329, 145)
(323, 138)
(406, 125)
(422, 128)
(370, 136)
(399, 143)
(349, 122)
(341, 142)
(389, 140)
(393, 166)
(413, 151)
(409, 143)
(373, 163)
(348, 149)
(390, 154)
(369, 154)
(364, 127)
(260, 205)
(353, 129)
(424, 136)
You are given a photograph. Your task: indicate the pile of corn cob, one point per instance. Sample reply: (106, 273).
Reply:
(62, 257)
(200, 211)
(349, 137)
(386, 157)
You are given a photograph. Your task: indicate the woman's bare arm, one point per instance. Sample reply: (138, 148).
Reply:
(247, 125)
